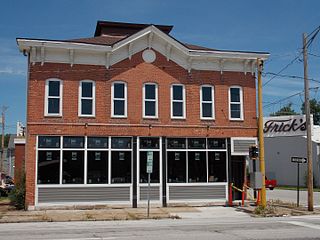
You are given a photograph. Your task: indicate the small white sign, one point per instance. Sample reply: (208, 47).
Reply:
(292, 125)
(149, 162)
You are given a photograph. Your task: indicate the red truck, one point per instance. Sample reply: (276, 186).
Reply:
(271, 183)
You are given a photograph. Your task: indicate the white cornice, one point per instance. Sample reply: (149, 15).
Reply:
(150, 37)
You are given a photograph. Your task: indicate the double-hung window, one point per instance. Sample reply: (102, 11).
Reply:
(150, 100)
(119, 99)
(207, 102)
(235, 103)
(53, 101)
(87, 98)
(178, 101)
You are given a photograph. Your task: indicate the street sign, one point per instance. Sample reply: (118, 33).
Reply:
(299, 160)
(149, 162)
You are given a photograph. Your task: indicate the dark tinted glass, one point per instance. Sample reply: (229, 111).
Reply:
(216, 143)
(48, 142)
(235, 111)
(48, 167)
(150, 108)
(118, 107)
(154, 176)
(177, 109)
(53, 105)
(150, 91)
(73, 167)
(97, 167)
(54, 88)
(121, 142)
(217, 167)
(206, 94)
(118, 90)
(149, 143)
(197, 167)
(97, 142)
(176, 143)
(73, 142)
(177, 92)
(197, 143)
(87, 89)
(120, 167)
(235, 94)
(207, 110)
(86, 106)
(177, 167)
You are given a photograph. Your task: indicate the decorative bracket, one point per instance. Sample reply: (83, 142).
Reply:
(42, 54)
(71, 57)
(189, 64)
(221, 65)
(33, 55)
(150, 38)
(168, 51)
(245, 64)
(130, 50)
(108, 55)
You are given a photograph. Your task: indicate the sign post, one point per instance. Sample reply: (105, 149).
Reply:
(298, 160)
(149, 171)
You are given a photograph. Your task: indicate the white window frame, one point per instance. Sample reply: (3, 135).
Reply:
(125, 100)
(150, 100)
(183, 101)
(46, 103)
(93, 98)
(212, 102)
(239, 103)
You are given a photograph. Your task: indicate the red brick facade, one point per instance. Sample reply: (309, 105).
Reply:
(135, 72)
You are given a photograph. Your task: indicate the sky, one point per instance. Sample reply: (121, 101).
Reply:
(274, 26)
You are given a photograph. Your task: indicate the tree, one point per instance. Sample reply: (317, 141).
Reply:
(314, 110)
(286, 110)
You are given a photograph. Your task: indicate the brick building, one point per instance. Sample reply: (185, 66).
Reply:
(97, 107)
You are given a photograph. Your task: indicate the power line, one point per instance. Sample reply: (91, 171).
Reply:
(290, 76)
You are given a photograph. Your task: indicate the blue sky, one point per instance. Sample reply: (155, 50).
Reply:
(274, 26)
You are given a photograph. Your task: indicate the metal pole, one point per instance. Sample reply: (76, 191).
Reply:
(298, 186)
(148, 212)
(261, 139)
(4, 108)
(307, 112)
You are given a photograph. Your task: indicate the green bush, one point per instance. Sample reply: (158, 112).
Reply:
(18, 194)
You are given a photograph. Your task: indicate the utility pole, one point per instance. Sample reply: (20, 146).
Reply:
(307, 112)
(261, 139)
(4, 109)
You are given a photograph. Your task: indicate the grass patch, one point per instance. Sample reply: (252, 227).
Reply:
(284, 187)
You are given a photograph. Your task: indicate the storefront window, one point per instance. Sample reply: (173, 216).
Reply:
(149, 143)
(97, 167)
(176, 143)
(154, 176)
(217, 167)
(121, 142)
(97, 142)
(48, 142)
(73, 167)
(197, 167)
(48, 167)
(73, 142)
(177, 167)
(197, 143)
(216, 143)
(121, 167)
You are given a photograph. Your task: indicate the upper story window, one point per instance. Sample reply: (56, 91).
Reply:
(178, 101)
(87, 98)
(53, 100)
(235, 103)
(206, 102)
(150, 100)
(119, 99)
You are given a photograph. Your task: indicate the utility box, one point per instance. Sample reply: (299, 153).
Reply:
(256, 180)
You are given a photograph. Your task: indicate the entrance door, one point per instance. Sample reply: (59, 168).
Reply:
(238, 164)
